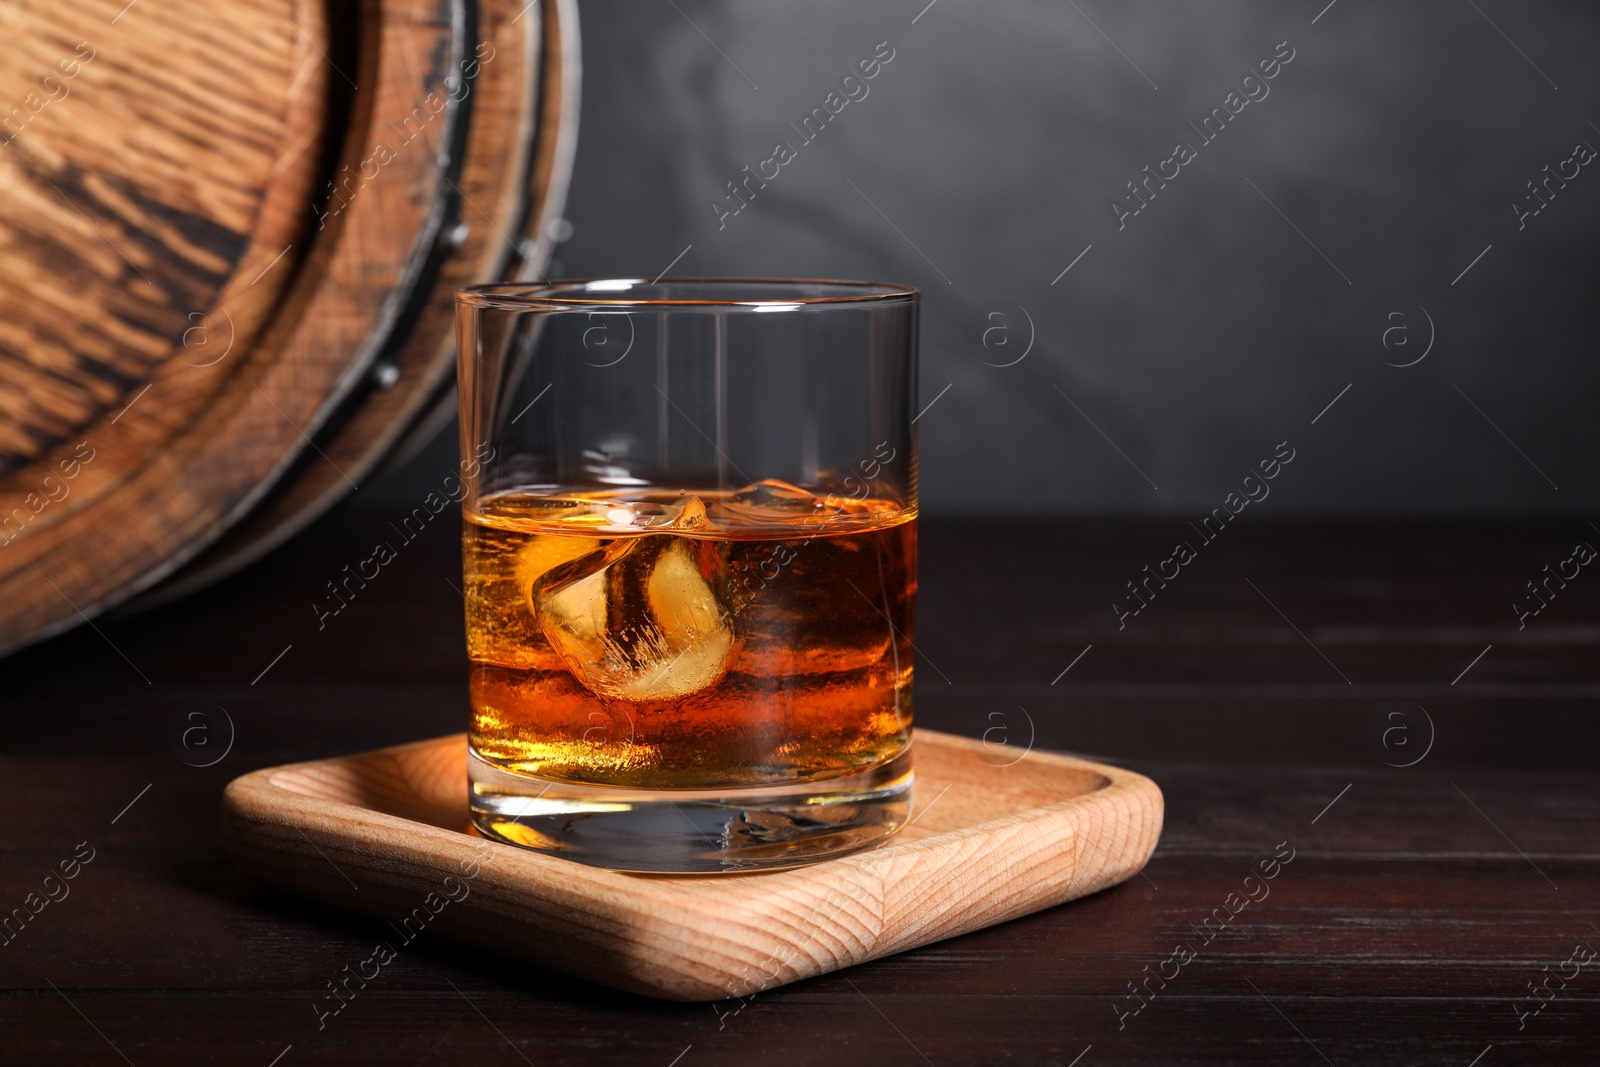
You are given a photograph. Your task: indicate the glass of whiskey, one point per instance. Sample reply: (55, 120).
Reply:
(690, 563)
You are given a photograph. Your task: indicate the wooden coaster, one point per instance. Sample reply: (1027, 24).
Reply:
(992, 836)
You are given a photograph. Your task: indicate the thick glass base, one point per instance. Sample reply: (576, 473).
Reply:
(692, 831)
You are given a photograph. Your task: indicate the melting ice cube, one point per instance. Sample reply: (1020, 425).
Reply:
(772, 501)
(690, 514)
(640, 619)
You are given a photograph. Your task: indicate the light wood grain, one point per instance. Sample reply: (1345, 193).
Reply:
(173, 160)
(989, 840)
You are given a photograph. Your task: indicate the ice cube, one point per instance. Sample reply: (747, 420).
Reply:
(771, 491)
(543, 554)
(771, 501)
(500, 574)
(689, 515)
(640, 619)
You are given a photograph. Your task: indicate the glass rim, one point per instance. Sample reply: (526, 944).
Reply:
(587, 293)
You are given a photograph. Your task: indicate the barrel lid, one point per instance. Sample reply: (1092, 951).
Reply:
(213, 267)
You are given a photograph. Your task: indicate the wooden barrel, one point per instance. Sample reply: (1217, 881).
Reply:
(229, 236)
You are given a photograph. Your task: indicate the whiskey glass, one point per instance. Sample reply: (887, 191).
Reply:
(689, 555)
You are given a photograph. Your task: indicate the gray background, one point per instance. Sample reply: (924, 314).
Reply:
(1216, 323)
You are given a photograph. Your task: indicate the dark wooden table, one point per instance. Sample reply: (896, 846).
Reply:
(1272, 689)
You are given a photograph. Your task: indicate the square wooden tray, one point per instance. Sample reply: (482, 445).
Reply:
(991, 837)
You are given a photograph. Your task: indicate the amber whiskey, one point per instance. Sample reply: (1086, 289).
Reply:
(690, 640)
